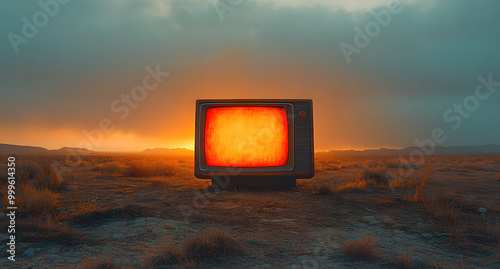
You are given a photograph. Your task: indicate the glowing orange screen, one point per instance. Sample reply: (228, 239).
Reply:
(246, 136)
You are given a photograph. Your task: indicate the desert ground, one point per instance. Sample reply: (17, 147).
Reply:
(138, 211)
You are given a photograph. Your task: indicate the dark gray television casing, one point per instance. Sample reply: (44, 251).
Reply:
(301, 141)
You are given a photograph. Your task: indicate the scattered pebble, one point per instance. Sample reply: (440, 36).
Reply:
(482, 210)
(426, 236)
(387, 220)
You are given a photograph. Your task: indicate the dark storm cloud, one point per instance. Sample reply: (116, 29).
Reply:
(90, 52)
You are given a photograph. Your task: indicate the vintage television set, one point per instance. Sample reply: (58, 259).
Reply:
(252, 142)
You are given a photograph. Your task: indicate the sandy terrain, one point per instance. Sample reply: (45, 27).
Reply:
(110, 213)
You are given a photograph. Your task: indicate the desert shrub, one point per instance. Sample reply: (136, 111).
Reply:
(34, 200)
(324, 189)
(111, 168)
(443, 207)
(211, 245)
(206, 246)
(148, 169)
(420, 187)
(391, 163)
(42, 228)
(356, 186)
(47, 177)
(106, 214)
(469, 231)
(377, 174)
(168, 254)
(28, 168)
(363, 249)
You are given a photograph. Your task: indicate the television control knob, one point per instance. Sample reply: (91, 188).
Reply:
(302, 114)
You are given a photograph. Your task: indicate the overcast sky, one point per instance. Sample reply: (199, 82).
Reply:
(64, 78)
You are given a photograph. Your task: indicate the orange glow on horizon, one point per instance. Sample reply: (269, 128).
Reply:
(246, 136)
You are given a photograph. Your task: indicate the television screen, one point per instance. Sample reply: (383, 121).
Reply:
(242, 136)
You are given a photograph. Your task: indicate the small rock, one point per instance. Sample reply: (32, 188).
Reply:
(366, 219)
(426, 236)
(373, 223)
(3, 215)
(436, 234)
(387, 220)
(482, 210)
(28, 253)
(369, 210)
(396, 226)
(118, 236)
(319, 224)
(72, 188)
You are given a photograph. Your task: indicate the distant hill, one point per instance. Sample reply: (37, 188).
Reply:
(165, 151)
(6, 149)
(439, 150)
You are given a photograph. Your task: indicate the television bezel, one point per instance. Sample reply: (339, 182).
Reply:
(203, 167)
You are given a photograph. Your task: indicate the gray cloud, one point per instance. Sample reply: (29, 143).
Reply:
(396, 89)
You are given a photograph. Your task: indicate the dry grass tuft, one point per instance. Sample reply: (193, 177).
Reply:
(169, 254)
(147, 169)
(203, 247)
(378, 174)
(47, 178)
(420, 188)
(33, 200)
(111, 168)
(211, 245)
(363, 249)
(43, 228)
(89, 217)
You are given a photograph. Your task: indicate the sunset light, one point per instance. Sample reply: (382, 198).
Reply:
(246, 136)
